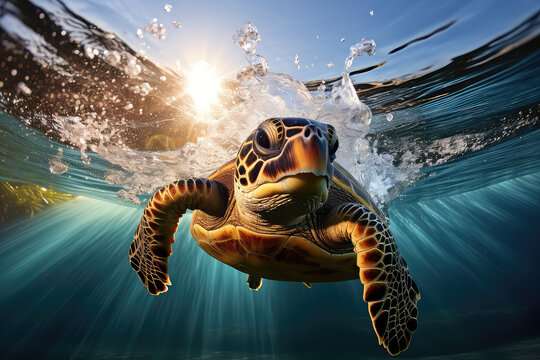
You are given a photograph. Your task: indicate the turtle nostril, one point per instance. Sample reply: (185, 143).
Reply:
(319, 133)
(307, 132)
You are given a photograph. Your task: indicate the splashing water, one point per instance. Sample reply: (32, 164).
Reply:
(264, 95)
(260, 95)
(56, 165)
(483, 92)
(366, 46)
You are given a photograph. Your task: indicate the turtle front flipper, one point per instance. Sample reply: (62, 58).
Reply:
(153, 238)
(389, 290)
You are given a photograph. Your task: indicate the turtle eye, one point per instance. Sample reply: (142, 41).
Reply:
(268, 136)
(262, 139)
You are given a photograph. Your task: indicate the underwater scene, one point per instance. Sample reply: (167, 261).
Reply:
(351, 180)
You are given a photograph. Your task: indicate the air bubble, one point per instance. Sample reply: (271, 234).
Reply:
(247, 37)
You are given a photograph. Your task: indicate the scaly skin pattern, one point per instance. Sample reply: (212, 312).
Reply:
(389, 290)
(283, 210)
(152, 241)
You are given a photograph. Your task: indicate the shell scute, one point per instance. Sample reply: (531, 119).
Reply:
(231, 249)
(199, 233)
(307, 249)
(262, 244)
(227, 232)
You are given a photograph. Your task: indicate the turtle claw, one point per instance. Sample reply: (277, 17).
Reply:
(254, 282)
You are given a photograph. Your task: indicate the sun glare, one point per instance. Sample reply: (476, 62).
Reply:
(203, 86)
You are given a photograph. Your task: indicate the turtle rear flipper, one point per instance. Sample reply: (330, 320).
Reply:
(389, 290)
(152, 241)
(254, 282)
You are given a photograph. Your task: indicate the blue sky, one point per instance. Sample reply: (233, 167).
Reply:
(290, 27)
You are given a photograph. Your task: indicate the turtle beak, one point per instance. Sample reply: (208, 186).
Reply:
(306, 153)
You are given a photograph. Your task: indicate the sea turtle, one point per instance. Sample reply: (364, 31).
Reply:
(284, 210)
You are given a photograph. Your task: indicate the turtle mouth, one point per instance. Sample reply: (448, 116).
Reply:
(301, 184)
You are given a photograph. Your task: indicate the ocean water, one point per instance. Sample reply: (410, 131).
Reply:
(457, 169)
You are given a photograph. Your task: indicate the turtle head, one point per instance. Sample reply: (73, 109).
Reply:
(284, 169)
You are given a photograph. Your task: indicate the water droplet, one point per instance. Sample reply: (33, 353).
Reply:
(156, 30)
(13, 72)
(89, 52)
(176, 24)
(342, 39)
(245, 74)
(167, 7)
(162, 78)
(132, 68)
(23, 89)
(258, 63)
(371, 13)
(128, 107)
(247, 37)
(56, 165)
(139, 34)
(389, 117)
(316, 36)
(296, 61)
(330, 65)
(109, 36)
(113, 58)
(85, 158)
(362, 47)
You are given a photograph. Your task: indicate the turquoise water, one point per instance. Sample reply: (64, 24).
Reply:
(466, 221)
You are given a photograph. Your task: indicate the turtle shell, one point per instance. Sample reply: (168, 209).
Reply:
(278, 254)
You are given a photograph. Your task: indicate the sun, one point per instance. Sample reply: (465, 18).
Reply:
(203, 85)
